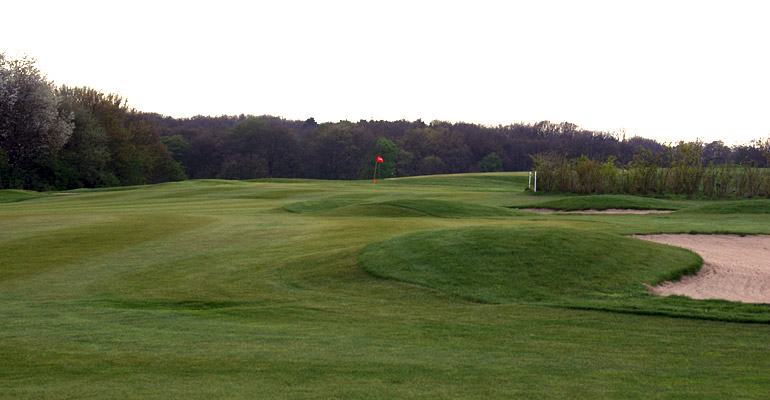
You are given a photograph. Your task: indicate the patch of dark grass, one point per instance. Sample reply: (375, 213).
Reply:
(451, 209)
(315, 206)
(373, 210)
(678, 307)
(748, 206)
(172, 305)
(13, 195)
(399, 208)
(605, 202)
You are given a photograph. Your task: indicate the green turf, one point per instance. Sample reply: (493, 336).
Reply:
(450, 209)
(314, 206)
(13, 195)
(214, 289)
(397, 208)
(749, 206)
(510, 264)
(605, 202)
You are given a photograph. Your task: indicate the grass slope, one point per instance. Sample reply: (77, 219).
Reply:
(508, 264)
(209, 289)
(605, 202)
(398, 208)
(13, 195)
(751, 206)
(558, 266)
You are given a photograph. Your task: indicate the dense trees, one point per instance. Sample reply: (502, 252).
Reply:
(86, 153)
(491, 163)
(31, 126)
(60, 138)
(345, 150)
(127, 146)
(63, 138)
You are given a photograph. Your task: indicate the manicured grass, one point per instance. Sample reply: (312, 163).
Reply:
(509, 264)
(549, 265)
(13, 195)
(213, 289)
(605, 202)
(451, 209)
(749, 206)
(314, 206)
(397, 208)
(488, 181)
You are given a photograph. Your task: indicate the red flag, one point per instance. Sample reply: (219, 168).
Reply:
(379, 159)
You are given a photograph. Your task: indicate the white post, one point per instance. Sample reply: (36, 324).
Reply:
(535, 181)
(529, 180)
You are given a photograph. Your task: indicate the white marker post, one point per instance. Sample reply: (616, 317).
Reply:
(529, 180)
(535, 181)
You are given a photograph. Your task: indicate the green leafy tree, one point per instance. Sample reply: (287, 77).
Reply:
(491, 163)
(243, 166)
(276, 145)
(176, 145)
(86, 153)
(137, 155)
(340, 151)
(389, 153)
(431, 165)
(31, 127)
(5, 170)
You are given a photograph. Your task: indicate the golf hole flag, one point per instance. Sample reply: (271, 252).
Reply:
(379, 160)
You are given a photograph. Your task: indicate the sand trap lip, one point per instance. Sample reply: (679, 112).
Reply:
(607, 211)
(735, 268)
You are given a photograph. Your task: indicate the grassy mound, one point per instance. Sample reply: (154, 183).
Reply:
(373, 210)
(398, 208)
(450, 209)
(508, 264)
(315, 206)
(749, 206)
(605, 202)
(13, 195)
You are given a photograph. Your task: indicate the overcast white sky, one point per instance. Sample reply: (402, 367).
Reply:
(668, 70)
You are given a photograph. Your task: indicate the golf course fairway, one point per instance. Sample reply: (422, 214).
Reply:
(425, 287)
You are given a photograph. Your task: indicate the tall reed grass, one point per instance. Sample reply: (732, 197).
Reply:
(679, 170)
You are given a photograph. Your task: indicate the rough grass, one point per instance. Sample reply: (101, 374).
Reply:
(605, 202)
(13, 195)
(209, 289)
(751, 206)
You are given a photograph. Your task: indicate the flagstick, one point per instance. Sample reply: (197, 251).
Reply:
(375, 171)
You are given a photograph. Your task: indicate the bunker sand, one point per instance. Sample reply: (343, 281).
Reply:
(734, 268)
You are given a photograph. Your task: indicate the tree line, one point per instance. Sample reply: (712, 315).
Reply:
(59, 137)
(63, 138)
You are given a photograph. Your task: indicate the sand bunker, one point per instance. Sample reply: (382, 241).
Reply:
(734, 268)
(608, 211)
